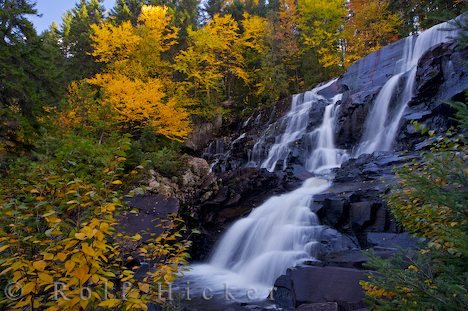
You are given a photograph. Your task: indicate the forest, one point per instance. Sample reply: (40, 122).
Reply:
(92, 106)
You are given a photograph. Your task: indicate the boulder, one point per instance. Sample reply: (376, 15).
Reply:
(326, 306)
(283, 294)
(315, 284)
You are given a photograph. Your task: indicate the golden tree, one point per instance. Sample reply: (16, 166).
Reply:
(137, 79)
(214, 57)
(370, 27)
(321, 23)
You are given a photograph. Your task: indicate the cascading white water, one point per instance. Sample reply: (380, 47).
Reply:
(382, 124)
(325, 155)
(280, 233)
(295, 123)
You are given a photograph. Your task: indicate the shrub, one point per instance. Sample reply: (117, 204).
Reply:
(58, 231)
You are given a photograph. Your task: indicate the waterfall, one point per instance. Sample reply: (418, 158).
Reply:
(382, 123)
(280, 233)
(325, 155)
(295, 125)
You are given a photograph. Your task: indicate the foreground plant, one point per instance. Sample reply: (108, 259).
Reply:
(60, 248)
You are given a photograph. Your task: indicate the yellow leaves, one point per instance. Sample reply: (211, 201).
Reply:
(69, 265)
(155, 28)
(137, 77)
(117, 182)
(4, 247)
(86, 232)
(371, 26)
(112, 42)
(28, 288)
(39, 265)
(110, 303)
(80, 236)
(61, 256)
(82, 273)
(216, 51)
(144, 287)
(142, 102)
(375, 291)
(45, 278)
(104, 227)
(88, 250)
(71, 243)
(321, 22)
(255, 32)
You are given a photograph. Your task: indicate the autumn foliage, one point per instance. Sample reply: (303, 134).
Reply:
(370, 27)
(59, 237)
(136, 84)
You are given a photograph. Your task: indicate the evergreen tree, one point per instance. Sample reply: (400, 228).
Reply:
(126, 10)
(213, 7)
(76, 32)
(418, 15)
(14, 25)
(28, 63)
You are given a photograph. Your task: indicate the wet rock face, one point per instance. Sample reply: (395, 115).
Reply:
(354, 205)
(352, 116)
(232, 152)
(441, 76)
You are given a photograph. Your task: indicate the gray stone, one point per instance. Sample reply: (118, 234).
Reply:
(327, 306)
(284, 293)
(325, 284)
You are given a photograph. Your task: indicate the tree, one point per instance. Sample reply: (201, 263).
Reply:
(321, 24)
(126, 10)
(286, 43)
(136, 82)
(214, 7)
(29, 74)
(370, 27)
(76, 33)
(418, 15)
(214, 57)
(14, 25)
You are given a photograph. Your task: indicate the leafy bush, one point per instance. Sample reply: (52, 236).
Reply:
(58, 232)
